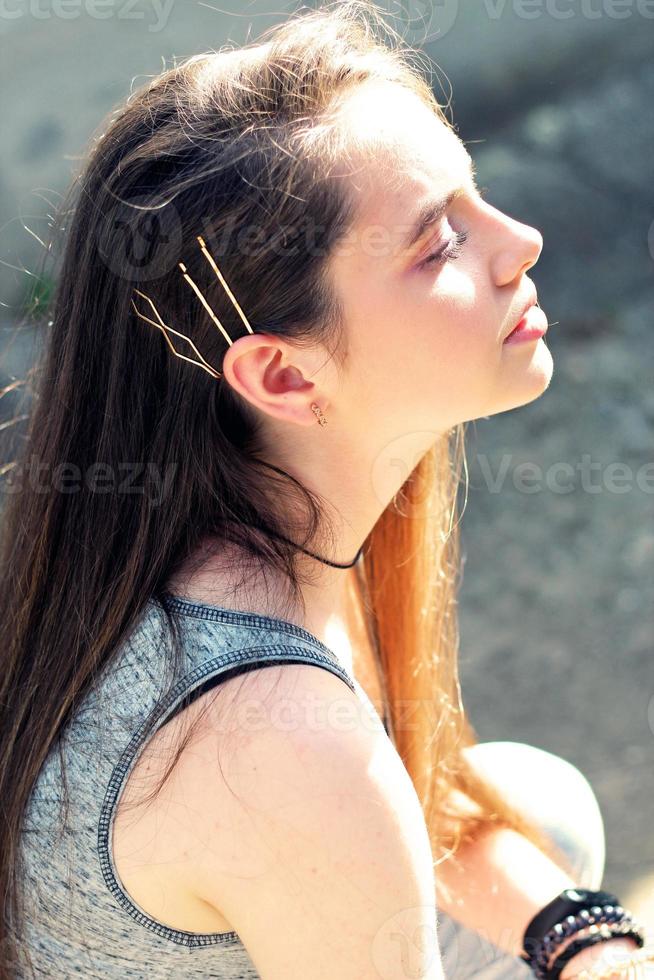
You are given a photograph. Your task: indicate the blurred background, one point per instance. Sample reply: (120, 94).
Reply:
(554, 99)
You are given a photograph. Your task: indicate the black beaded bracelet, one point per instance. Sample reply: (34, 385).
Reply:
(604, 934)
(595, 915)
(573, 911)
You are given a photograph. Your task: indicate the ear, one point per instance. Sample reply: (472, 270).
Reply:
(276, 377)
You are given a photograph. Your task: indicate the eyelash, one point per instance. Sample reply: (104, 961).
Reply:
(451, 251)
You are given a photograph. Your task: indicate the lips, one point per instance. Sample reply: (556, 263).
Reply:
(531, 301)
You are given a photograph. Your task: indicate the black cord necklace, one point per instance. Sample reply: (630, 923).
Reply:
(325, 561)
(311, 554)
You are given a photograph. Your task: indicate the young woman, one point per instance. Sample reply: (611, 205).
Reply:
(229, 546)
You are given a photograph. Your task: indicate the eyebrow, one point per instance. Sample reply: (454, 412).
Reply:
(432, 211)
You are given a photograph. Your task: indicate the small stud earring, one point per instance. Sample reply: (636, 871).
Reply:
(316, 411)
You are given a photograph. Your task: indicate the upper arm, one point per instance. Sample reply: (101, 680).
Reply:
(310, 836)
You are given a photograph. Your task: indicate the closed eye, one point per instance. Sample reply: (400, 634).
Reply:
(450, 251)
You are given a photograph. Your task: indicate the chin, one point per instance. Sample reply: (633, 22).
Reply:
(531, 377)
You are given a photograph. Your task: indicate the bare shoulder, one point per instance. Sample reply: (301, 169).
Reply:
(304, 829)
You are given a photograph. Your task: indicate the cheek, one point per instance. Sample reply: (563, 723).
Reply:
(454, 325)
(456, 351)
(422, 338)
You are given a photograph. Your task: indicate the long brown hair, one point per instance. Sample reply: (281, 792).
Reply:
(224, 140)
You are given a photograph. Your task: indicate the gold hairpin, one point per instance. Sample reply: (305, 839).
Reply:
(165, 328)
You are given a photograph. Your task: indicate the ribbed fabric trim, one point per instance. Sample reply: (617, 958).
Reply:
(204, 610)
(209, 612)
(256, 656)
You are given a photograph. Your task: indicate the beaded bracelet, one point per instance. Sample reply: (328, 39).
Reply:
(603, 934)
(575, 910)
(571, 924)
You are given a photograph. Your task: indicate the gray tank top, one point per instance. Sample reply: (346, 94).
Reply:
(79, 919)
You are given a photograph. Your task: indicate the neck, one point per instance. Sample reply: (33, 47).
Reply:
(330, 603)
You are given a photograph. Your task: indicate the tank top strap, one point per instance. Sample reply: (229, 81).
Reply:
(246, 641)
(211, 672)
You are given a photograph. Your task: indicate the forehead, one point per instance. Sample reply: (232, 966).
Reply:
(402, 152)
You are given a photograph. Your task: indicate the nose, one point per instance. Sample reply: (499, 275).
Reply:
(519, 247)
